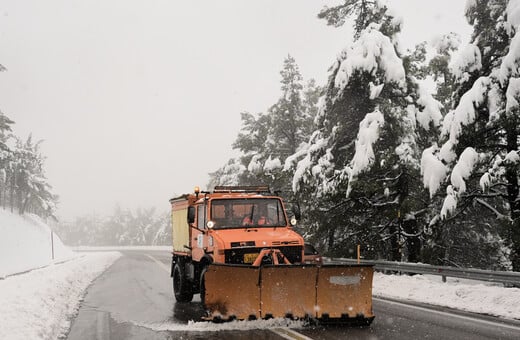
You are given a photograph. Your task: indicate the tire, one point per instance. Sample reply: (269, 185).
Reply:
(202, 286)
(181, 287)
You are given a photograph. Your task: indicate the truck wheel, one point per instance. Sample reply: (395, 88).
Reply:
(202, 286)
(181, 286)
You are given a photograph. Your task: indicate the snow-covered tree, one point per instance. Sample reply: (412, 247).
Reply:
(231, 173)
(30, 191)
(361, 165)
(267, 139)
(23, 185)
(438, 67)
(479, 157)
(122, 227)
(5, 155)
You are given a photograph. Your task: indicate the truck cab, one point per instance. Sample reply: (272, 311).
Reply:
(232, 225)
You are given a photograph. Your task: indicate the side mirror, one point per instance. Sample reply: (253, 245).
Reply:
(191, 215)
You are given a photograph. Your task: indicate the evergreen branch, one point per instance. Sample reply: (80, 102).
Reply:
(499, 215)
(389, 179)
(479, 195)
(382, 204)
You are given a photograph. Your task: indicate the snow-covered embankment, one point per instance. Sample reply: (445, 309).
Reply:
(40, 303)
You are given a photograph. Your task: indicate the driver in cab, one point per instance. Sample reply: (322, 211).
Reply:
(257, 217)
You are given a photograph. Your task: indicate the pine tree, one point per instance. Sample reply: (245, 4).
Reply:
(6, 155)
(480, 135)
(30, 191)
(361, 165)
(267, 139)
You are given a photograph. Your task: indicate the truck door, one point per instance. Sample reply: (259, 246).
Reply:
(200, 237)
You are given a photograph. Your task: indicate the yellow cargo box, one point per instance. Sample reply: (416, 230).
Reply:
(180, 228)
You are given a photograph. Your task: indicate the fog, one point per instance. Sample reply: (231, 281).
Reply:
(137, 101)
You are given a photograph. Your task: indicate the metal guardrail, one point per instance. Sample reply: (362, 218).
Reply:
(508, 278)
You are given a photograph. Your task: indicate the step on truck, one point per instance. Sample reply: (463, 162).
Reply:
(236, 247)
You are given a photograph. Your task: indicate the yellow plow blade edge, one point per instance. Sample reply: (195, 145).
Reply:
(335, 293)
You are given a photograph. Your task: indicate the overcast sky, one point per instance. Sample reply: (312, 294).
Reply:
(138, 100)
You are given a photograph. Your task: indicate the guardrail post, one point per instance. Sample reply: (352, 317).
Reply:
(52, 244)
(443, 276)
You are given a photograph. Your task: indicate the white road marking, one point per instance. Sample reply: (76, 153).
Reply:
(289, 334)
(448, 314)
(162, 265)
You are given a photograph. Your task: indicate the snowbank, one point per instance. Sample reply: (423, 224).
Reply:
(468, 295)
(41, 304)
(26, 244)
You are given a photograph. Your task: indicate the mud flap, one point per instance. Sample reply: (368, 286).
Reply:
(345, 293)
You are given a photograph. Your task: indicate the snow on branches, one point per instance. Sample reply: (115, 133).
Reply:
(513, 15)
(431, 111)
(373, 51)
(450, 202)
(510, 66)
(432, 169)
(368, 134)
(466, 61)
(463, 115)
(513, 96)
(462, 170)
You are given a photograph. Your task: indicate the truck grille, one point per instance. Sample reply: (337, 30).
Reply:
(279, 243)
(236, 256)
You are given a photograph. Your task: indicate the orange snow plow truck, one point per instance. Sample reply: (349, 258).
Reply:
(236, 247)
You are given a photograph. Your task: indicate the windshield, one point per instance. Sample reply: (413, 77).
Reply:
(253, 212)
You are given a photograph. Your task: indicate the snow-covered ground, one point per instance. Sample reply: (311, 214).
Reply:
(40, 304)
(468, 295)
(26, 242)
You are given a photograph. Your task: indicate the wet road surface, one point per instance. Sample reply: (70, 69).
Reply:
(133, 299)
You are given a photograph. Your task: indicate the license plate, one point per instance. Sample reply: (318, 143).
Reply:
(250, 258)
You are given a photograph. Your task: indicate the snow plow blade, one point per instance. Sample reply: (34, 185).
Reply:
(330, 294)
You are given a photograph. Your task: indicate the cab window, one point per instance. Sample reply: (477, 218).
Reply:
(238, 213)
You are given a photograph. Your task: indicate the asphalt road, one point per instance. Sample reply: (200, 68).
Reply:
(133, 299)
